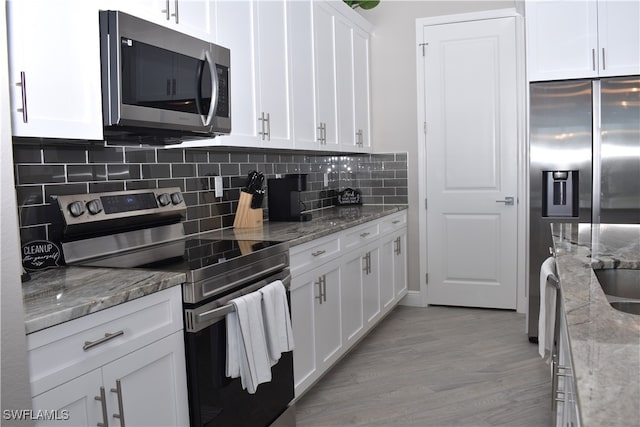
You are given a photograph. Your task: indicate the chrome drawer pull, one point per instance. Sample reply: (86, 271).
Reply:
(318, 253)
(90, 344)
(363, 235)
(395, 222)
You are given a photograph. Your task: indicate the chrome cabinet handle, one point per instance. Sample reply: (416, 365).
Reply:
(363, 235)
(103, 403)
(508, 201)
(324, 287)
(320, 293)
(107, 337)
(593, 59)
(318, 253)
(319, 128)
(175, 14)
(166, 11)
(604, 63)
(397, 221)
(398, 243)
(118, 391)
(365, 260)
(23, 88)
(268, 127)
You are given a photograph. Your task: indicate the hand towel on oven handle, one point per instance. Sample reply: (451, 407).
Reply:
(247, 355)
(277, 322)
(258, 331)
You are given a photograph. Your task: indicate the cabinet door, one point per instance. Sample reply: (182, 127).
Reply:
(400, 264)
(619, 37)
(387, 275)
(344, 83)
(361, 90)
(73, 403)
(192, 17)
(151, 384)
(54, 72)
(324, 22)
(352, 273)
(327, 314)
(562, 39)
(303, 296)
(235, 29)
(273, 72)
(300, 24)
(371, 286)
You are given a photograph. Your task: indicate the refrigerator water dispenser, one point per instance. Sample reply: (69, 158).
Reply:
(560, 193)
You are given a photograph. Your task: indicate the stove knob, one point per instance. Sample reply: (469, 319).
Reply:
(176, 198)
(94, 206)
(76, 209)
(164, 199)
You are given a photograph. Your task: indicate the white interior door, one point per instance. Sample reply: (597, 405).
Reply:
(471, 159)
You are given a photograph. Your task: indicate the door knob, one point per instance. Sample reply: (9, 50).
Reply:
(507, 200)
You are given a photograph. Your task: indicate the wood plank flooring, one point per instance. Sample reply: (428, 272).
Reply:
(436, 366)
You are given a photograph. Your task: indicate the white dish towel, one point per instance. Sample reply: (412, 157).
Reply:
(247, 354)
(277, 321)
(547, 318)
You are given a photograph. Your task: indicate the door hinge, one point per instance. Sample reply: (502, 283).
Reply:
(425, 128)
(425, 204)
(426, 278)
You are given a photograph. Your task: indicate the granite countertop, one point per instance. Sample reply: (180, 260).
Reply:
(604, 342)
(54, 296)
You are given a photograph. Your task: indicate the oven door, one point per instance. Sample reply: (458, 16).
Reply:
(215, 399)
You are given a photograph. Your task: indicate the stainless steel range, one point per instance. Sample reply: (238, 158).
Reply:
(143, 229)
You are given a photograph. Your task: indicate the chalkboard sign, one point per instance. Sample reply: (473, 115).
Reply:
(40, 255)
(349, 196)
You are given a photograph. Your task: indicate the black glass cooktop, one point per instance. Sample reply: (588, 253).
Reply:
(194, 254)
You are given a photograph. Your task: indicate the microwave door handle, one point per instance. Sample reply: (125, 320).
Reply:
(214, 90)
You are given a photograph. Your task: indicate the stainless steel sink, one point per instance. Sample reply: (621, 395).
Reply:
(622, 288)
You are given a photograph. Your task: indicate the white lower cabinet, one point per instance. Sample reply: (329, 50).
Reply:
(341, 286)
(129, 378)
(315, 312)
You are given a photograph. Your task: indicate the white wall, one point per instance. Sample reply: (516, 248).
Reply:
(393, 89)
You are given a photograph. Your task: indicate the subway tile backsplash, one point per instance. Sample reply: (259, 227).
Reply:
(43, 171)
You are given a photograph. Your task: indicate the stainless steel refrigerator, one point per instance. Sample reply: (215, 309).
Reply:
(584, 151)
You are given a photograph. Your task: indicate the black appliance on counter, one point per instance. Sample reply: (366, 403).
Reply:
(283, 195)
(142, 229)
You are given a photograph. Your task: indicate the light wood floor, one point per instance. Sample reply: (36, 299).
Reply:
(436, 366)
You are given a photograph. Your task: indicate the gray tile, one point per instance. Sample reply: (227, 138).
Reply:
(103, 187)
(395, 182)
(217, 157)
(27, 153)
(156, 171)
(184, 170)
(173, 155)
(209, 224)
(196, 156)
(140, 155)
(239, 157)
(29, 195)
(64, 189)
(40, 174)
(84, 173)
(123, 172)
(106, 154)
(167, 183)
(58, 154)
(231, 169)
(141, 185)
(29, 234)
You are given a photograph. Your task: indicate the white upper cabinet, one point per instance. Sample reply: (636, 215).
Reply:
(193, 17)
(361, 90)
(303, 76)
(256, 33)
(326, 87)
(344, 83)
(619, 37)
(582, 39)
(54, 69)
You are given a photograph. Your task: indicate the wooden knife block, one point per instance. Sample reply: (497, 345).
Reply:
(245, 216)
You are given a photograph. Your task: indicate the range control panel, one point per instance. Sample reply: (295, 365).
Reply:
(85, 208)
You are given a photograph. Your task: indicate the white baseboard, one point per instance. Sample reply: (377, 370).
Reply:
(413, 299)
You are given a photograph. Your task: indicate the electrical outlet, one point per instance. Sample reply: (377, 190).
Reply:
(278, 175)
(217, 186)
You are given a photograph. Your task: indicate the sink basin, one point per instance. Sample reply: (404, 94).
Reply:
(622, 288)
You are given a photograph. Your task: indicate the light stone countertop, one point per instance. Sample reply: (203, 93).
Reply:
(55, 296)
(604, 342)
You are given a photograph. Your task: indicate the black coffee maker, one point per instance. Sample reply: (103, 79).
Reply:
(283, 195)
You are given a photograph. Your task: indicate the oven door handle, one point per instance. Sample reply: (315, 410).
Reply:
(196, 319)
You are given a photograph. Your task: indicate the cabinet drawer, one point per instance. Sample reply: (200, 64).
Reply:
(65, 351)
(308, 255)
(393, 222)
(361, 235)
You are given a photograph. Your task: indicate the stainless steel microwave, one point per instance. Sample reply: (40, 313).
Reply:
(160, 86)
